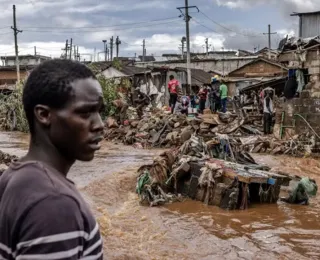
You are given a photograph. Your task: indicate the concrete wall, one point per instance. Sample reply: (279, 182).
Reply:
(24, 61)
(223, 65)
(31, 61)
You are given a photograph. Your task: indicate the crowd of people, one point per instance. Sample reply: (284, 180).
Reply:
(214, 97)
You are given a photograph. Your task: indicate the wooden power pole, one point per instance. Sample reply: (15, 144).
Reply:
(118, 42)
(187, 18)
(269, 40)
(111, 48)
(143, 49)
(70, 53)
(16, 31)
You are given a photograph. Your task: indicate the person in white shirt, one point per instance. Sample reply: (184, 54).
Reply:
(267, 113)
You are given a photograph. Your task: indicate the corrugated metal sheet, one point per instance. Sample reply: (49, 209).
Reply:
(113, 73)
(310, 25)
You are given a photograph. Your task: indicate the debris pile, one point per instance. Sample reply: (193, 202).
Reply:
(212, 173)
(5, 160)
(167, 130)
(298, 145)
(12, 116)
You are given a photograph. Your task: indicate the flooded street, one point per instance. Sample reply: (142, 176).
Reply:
(188, 230)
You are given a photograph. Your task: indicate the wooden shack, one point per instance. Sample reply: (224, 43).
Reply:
(236, 186)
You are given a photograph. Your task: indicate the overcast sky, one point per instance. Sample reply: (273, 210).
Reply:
(229, 24)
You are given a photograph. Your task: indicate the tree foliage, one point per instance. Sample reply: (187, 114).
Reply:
(12, 116)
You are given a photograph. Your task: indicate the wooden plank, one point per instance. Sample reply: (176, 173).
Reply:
(232, 175)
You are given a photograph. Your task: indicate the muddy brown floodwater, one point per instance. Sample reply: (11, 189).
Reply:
(188, 230)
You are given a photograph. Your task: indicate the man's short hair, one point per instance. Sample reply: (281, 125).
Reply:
(171, 77)
(50, 84)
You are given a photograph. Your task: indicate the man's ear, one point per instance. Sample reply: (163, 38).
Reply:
(43, 114)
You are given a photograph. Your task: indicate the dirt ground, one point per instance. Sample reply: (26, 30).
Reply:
(188, 230)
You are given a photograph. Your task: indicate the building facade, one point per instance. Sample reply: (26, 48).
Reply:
(24, 60)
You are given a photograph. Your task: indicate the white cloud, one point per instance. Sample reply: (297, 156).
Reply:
(285, 5)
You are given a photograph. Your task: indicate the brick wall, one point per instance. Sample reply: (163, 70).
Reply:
(307, 106)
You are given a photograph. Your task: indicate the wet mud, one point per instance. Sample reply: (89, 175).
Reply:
(188, 230)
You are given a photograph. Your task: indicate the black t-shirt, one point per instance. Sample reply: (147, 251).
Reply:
(43, 216)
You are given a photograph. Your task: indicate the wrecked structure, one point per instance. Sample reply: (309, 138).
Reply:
(197, 172)
(299, 110)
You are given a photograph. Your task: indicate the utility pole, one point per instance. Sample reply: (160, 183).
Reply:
(74, 52)
(111, 48)
(16, 31)
(207, 46)
(269, 39)
(78, 54)
(118, 42)
(143, 49)
(66, 49)
(104, 49)
(183, 40)
(187, 19)
(35, 50)
(70, 53)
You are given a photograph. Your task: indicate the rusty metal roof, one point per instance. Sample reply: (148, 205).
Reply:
(198, 77)
(132, 70)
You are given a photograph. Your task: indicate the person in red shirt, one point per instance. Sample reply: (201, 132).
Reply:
(173, 86)
(203, 98)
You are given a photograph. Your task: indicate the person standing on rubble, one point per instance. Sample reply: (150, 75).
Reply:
(267, 113)
(43, 215)
(203, 93)
(223, 95)
(173, 86)
(143, 100)
(214, 100)
(121, 109)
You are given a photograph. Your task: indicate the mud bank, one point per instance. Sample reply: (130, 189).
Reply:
(188, 230)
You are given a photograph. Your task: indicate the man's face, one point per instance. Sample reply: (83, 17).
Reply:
(77, 129)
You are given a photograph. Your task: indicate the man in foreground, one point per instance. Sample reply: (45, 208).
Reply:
(42, 215)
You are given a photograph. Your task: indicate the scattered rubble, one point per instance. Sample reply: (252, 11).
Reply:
(167, 130)
(5, 160)
(298, 145)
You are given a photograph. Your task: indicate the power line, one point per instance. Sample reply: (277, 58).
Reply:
(5, 33)
(91, 31)
(204, 26)
(228, 29)
(96, 27)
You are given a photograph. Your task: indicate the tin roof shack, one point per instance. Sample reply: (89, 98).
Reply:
(26, 60)
(265, 53)
(308, 24)
(150, 82)
(199, 78)
(8, 74)
(301, 115)
(257, 71)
